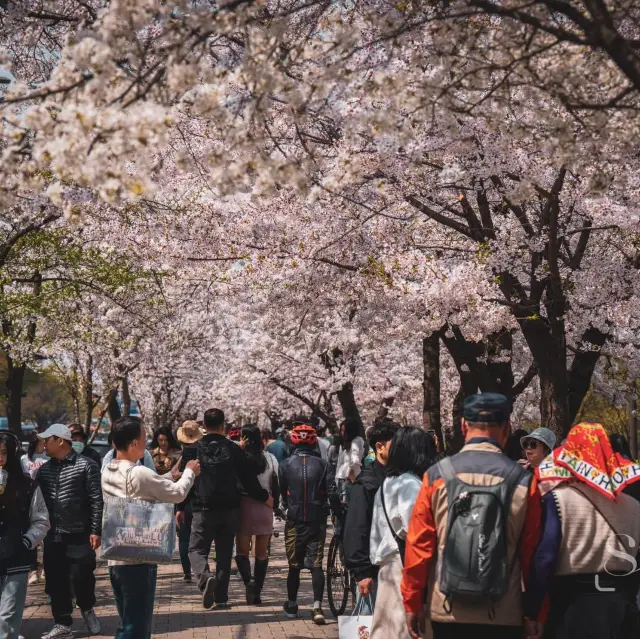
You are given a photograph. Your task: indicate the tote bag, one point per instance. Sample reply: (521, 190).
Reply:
(356, 626)
(137, 531)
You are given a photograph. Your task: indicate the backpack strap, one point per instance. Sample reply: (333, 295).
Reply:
(401, 543)
(448, 472)
(451, 481)
(511, 482)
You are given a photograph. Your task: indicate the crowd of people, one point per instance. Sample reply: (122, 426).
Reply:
(513, 536)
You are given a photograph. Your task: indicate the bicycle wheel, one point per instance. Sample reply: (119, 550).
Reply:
(337, 579)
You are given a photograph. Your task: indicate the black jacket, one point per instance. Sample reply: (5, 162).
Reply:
(93, 454)
(307, 483)
(16, 554)
(219, 487)
(357, 527)
(71, 489)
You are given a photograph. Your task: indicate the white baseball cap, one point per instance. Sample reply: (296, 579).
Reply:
(57, 430)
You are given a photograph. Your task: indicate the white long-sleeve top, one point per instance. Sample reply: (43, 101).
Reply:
(143, 484)
(350, 460)
(38, 519)
(400, 494)
(272, 467)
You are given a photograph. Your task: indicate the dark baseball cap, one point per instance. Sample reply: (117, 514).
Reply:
(488, 408)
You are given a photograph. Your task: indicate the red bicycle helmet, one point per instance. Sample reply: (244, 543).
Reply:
(304, 434)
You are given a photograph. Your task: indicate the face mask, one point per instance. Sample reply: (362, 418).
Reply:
(78, 447)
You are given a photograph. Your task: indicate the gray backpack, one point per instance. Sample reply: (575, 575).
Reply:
(475, 561)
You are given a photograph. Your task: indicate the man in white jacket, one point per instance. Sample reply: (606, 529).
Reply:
(134, 584)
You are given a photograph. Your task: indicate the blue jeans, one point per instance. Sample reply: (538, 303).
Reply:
(134, 589)
(13, 591)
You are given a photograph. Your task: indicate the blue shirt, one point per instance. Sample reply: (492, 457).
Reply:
(278, 449)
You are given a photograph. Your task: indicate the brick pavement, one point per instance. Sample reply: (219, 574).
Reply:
(178, 612)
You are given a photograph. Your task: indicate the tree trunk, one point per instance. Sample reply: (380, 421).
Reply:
(554, 402)
(582, 367)
(455, 438)
(15, 374)
(431, 387)
(348, 402)
(550, 357)
(88, 395)
(126, 396)
(499, 361)
(15, 382)
(113, 409)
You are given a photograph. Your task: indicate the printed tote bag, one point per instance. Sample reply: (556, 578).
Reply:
(138, 531)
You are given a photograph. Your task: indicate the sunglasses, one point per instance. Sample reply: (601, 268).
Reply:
(530, 444)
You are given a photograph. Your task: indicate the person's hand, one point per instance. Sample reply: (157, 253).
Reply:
(525, 463)
(243, 443)
(416, 624)
(365, 586)
(194, 465)
(179, 518)
(175, 471)
(95, 541)
(269, 502)
(533, 629)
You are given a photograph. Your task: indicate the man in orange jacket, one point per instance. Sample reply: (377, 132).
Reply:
(481, 462)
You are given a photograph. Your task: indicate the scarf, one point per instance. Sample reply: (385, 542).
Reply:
(587, 457)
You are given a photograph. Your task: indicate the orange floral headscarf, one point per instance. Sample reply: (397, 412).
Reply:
(587, 456)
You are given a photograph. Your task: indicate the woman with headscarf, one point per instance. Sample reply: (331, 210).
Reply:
(590, 535)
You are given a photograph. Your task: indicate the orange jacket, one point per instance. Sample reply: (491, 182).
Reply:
(428, 523)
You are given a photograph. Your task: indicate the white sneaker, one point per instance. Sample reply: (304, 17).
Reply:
(59, 632)
(33, 578)
(93, 623)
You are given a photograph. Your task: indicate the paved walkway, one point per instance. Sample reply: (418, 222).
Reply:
(179, 614)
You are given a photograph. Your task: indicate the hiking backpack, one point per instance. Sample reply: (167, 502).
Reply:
(475, 563)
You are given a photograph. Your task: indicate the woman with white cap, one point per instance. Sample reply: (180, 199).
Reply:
(537, 445)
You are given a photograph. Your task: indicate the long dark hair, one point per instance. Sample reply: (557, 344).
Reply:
(34, 440)
(620, 445)
(352, 428)
(166, 431)
(17, 479)
(254, 447)
(411, 452)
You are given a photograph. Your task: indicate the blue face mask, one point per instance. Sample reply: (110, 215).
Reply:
(78, 447)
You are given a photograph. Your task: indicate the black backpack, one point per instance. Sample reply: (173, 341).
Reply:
(217, 484)
(475, 562)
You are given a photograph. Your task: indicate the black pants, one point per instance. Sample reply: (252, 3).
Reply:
(69, 561)
(219, 527)
(467, 630)
(184, 536)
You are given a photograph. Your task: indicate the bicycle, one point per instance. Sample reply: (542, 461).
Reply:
(339, 579)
